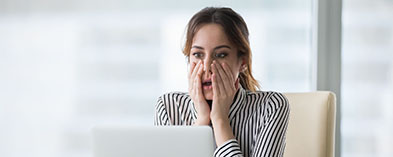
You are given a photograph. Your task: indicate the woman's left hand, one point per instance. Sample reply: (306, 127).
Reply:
(224, 89)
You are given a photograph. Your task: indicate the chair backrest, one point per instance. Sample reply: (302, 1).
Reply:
(311, 128)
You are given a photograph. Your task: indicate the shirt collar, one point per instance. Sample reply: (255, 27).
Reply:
(235, 106)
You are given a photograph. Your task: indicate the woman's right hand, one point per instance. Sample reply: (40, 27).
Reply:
(196, 93)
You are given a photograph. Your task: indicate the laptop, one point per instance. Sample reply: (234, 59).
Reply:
(153, 141)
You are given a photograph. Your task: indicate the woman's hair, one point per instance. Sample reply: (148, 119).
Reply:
(236, 30)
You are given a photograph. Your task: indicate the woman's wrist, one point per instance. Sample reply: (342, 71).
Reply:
(220, 120)
(219, 117)
(202, 121)
(222, 130)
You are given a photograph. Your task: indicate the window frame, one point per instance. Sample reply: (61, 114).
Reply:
(326, 54)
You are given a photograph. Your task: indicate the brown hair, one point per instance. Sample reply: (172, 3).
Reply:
(236, 30)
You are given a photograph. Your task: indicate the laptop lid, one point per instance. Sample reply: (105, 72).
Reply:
(153, 141)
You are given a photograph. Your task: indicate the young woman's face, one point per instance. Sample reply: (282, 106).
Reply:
(211, 43)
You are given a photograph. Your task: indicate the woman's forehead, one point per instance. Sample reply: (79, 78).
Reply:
(210, 36)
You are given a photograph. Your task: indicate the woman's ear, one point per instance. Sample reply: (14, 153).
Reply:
(243, 68)
(243, 65)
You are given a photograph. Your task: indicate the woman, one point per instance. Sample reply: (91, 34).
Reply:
(222, 91)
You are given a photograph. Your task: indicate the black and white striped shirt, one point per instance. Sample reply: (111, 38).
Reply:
(259, 121)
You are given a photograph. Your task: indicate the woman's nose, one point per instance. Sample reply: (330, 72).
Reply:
(207, 68)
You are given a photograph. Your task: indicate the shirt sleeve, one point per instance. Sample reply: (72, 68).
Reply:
(161, 115)
(271, 138)
(229, 149)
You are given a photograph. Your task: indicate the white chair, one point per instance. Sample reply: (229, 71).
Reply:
(311, 128)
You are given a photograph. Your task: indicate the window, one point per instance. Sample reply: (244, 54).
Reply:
(367, 78)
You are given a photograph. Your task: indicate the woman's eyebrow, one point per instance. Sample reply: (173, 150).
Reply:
(197, 47)
(218, 47)
(222, 46)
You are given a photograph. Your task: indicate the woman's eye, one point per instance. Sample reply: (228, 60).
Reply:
(197, 54)
(221, 55)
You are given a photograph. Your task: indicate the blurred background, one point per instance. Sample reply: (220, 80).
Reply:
(66, 66)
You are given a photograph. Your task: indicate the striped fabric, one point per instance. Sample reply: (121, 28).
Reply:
(259, 121)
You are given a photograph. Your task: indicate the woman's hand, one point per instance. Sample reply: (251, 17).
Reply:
(224, 89)
(196, 93)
